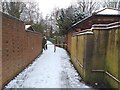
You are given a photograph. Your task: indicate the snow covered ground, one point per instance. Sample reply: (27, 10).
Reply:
(49, 70)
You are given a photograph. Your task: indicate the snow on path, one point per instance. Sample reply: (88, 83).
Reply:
(49, 70)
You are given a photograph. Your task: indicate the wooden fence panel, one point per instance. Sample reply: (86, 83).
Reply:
(99, 56)
(112, 58)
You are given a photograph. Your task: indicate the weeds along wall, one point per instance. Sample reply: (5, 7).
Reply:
(96, 55)
(19, 47)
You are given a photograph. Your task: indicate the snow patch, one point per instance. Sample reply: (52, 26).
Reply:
(50, 70)
(109, 12)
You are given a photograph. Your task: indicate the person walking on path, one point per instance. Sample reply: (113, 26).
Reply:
(44, 43)
(55, 43)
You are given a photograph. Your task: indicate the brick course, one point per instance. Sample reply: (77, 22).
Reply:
(19, 47)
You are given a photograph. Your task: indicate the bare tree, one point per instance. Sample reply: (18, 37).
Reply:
(31, 13)
(2, 7)
(13, 8)
(87, 7)
(111, 4)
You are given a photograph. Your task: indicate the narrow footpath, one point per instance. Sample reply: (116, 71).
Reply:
(50, 70)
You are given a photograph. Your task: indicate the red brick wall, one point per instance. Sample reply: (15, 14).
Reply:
(19, 47)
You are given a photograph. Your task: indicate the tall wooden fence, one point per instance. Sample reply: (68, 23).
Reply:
(96, 54)
(19, 47)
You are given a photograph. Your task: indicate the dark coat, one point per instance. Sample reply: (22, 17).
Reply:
(44, 41)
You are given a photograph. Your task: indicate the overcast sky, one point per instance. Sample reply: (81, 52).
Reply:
(46, 6)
